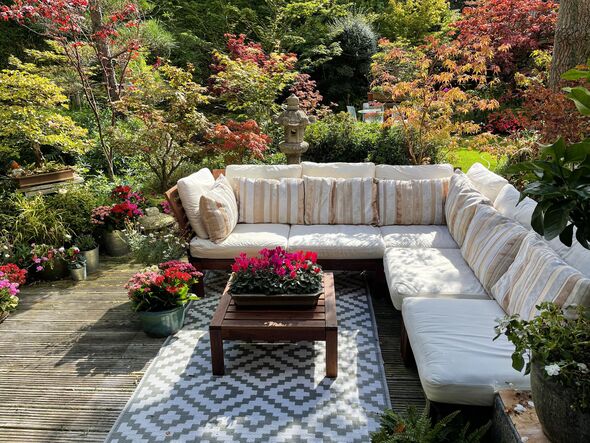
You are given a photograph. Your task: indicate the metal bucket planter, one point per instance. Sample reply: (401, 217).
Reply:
(164, 323)
(560, 422)
(115, 243)
(92, 260)
(78, 274)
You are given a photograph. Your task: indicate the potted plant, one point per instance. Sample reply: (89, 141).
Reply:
(11, 277)
(76, 263)
(114, 219)
(32, 122)
(90, 251)
(554, 348)
(276, 277)
(48, 262)
(160, 296)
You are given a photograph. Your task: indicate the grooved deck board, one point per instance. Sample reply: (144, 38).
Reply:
(73, 353)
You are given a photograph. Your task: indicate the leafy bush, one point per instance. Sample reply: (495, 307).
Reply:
(338, 137)
(74, 204)
(37, 222)
(416, 427)
(154, 248)
(412, 20)
(344, 78)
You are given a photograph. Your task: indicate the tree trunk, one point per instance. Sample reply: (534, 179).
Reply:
(104, 52)
(572, 38)
(39, 159)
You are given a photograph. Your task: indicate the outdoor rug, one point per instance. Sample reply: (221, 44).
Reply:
(270, 392)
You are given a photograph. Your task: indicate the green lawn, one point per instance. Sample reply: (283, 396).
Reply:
(464, 158)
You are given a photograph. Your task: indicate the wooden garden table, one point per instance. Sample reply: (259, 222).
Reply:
(276, 325)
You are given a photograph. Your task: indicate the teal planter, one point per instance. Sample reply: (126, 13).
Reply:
(164, 323)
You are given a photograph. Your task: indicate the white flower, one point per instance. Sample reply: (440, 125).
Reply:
(68, 236)
(6, 255)
(62, 249)
(583, 368)
(552, 370)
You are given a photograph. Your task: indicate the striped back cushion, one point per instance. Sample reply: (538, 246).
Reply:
(460, 205)
(539, 274)
(412, 202)
(263, 200)
(219, 210)
(347, 201)
(491, 243)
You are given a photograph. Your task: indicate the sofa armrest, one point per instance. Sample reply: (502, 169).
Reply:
(177, 209)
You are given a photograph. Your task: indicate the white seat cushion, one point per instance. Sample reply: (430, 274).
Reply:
(429, 273)
(338, 241)
(418, 236)
(458, 361)
(338, 169)
(248, 238)
(485, 181)
(413, 172)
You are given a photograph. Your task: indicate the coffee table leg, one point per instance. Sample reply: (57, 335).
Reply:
(332, 353)
(216, 352)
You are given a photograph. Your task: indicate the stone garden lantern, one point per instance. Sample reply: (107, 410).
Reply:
(294, 120)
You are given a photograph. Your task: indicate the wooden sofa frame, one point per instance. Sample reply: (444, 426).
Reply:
(217, 264)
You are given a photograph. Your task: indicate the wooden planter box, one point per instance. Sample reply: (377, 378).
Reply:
(27, 181)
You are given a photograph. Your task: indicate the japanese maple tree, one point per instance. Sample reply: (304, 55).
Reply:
(515, 28)
(93, 34)
(238, 140)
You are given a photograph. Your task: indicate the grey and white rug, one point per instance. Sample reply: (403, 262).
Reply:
(270, 392)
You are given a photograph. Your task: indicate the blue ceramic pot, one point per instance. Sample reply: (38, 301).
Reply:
(164, 323)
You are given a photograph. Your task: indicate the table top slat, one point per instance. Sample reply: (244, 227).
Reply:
(275, 315)
(288, 324)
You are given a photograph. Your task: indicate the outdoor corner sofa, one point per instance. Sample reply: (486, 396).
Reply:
(452, 247)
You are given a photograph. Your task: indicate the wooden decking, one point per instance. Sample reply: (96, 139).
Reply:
(73, 353)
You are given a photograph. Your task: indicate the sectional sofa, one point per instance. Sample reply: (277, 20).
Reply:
(453, 249)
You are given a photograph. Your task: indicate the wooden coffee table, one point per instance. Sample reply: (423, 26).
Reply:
(276, 325)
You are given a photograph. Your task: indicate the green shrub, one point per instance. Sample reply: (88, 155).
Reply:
(158, 247)
(339, 137)
(75, 203)
(37, 222)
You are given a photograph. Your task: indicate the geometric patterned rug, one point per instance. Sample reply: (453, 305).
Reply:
(270, 392)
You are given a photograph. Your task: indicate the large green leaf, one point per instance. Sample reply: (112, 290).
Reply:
(576, 74)
(577, 152)
(556, 218)
(567, 235)
(581, 98)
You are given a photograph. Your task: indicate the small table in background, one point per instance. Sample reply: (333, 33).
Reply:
(278, 324)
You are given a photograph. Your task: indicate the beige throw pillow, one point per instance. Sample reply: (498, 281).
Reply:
(270, 201)
(539, 274)
(219, 210)
(412, 202)
(346, 201)
(491, 243)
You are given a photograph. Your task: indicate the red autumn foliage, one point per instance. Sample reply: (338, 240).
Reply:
(553, 115)
(514, 27)
(506, 122)
(236, 140)
(310, 99)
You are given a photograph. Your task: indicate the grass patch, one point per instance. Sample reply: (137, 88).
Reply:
(465, 158)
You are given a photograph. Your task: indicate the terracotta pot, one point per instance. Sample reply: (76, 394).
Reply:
(164, 323)
(561, 424)
(46, 177)
(115, 243)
